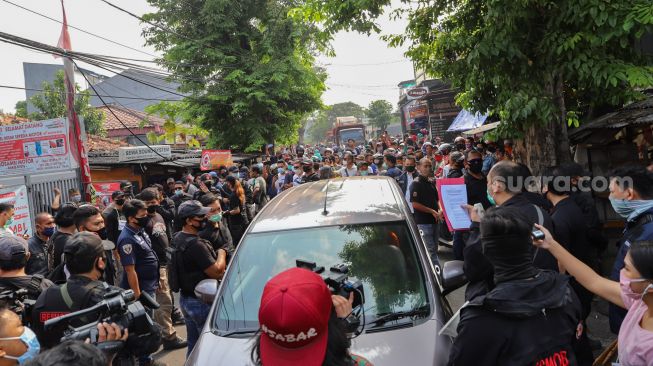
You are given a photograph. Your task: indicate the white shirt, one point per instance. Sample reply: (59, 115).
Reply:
(346, 172)
(409, 181)
(296, 180)
(6, 232)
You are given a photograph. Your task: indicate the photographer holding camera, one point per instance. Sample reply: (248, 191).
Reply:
(85, 258)
(14, 254)
(302, 323)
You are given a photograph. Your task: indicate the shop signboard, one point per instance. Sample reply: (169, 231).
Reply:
(212, 159)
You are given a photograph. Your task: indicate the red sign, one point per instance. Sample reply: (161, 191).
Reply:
(103, 192)
(212, 159)
(414, 93)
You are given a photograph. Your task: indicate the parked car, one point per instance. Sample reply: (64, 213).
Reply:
(362, 222)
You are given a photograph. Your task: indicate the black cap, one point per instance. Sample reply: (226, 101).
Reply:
(86, 246)
(117, 194)
(12, 246)
(192, 208)
(125, 184)
(233, 169)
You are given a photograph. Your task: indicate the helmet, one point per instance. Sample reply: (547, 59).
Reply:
(445, 149)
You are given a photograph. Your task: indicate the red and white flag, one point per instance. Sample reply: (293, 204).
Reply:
(64, 38)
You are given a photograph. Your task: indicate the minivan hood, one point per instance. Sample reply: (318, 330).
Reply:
(418, 345)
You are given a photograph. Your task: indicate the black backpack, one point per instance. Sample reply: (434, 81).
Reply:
(177, 267)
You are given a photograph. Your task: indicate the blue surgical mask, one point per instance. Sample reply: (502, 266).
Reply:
(9, 222)
(630, 209)
(48, 231)
(281, 170)
(364, 173)
(33, 347)
(179, 192)
(489, 198)
(76, 198)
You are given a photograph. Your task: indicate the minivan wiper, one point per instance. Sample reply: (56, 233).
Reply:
(418, 312)
(239, 332)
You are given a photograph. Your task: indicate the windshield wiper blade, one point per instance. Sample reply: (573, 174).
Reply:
(239, 332)
(421, 312)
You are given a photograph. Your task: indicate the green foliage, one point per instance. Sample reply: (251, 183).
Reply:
(21, 109)
(179, 124)
(527, 62)
(380, 113)
(247, 65)
(51, 103)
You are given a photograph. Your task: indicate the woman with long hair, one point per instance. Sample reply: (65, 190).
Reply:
(236, 209)
(633, 292)
(302, 323)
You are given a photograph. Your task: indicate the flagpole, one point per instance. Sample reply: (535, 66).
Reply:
(75, 126)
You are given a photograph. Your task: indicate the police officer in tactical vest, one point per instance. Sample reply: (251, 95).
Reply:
(85, 258)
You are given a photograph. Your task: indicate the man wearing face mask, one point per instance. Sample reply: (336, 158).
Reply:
(406, 179)
(6, 219)
(156, 230)
(14, 254)
(309, 174)
(631, 196)
(530, 317)
(195, 260)
(38, 244)
(180, 196)
(217, 229)
(18, 344)
(85, 257)
(424, 199)
(88, 218)
(65, 228)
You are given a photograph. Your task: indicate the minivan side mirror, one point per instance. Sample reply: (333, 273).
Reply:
(453, 276)
(206, 290)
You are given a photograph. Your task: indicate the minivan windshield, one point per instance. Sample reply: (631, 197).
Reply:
(383, 256)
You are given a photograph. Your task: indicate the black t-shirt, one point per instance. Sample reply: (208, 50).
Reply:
(197, 256)
(477, 191)
(58, 241)
(157, 230)
(219, 238)
(424, 192)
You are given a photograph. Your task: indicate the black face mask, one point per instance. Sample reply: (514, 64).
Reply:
(475, 166)
(143, 221)
(307, 169)
(120, 202)
(491, 150)
(410, 168)
(102, 233)
(202, 225)
(152, 208)
(511, 257)
(460, 147)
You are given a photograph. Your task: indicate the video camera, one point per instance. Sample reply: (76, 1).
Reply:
(120, 307)
(18, 302)
(337, 280)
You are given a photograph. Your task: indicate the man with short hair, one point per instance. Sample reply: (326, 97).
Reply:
(310, 175)
(407, 178)
(65, 228)
(6, 218)
(349, 169)
(390, 162)
(127, 188)
(38, 245)
(156, 230)
(631, 196)
(424, 199)
(503, 187)
(14, 254)
(259, 188)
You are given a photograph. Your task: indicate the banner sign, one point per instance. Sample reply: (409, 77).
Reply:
(101, 192)
(417, 92)
(212, 159)
(34, 147)
(17, 195)
(143, 152)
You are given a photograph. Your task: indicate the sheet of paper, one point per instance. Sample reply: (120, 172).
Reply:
(453, 197)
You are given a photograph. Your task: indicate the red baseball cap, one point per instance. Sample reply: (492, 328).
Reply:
(294, 317)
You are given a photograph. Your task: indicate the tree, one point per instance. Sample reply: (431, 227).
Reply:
(380, 113)
(51, 103)
(538, 65)
(21, 109)
(247, 66)
(178, 124)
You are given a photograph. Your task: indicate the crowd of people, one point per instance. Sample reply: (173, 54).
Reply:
(171, 235)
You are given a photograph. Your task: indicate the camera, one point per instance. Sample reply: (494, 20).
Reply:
(120, 307)
(337, 280)
(18, 302)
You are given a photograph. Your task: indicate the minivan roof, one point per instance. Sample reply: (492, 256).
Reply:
(353, 200)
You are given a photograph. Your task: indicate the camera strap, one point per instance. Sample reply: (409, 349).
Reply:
(66, 296)
(540, 221)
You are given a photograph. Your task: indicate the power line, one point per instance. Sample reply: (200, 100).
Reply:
(371, 64)
(93, 95)
(145, 21)
(79, 29)
(116, 116)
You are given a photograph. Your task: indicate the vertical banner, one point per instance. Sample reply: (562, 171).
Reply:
(77, 147)
(17, 195)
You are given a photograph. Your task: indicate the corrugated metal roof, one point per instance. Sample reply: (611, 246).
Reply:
(635, 113)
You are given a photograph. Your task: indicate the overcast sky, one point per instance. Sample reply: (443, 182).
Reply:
(363, 70)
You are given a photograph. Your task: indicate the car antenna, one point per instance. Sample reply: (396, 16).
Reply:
(326, 195)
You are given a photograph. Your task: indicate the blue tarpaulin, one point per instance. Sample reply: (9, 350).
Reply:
(466, 121)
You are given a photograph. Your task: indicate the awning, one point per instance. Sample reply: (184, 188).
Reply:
(467, 121)
(484, 128)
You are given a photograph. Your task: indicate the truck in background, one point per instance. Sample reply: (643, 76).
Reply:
(349, 128)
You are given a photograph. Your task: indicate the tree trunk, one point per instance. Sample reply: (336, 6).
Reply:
(563, 152)
(537, 150)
